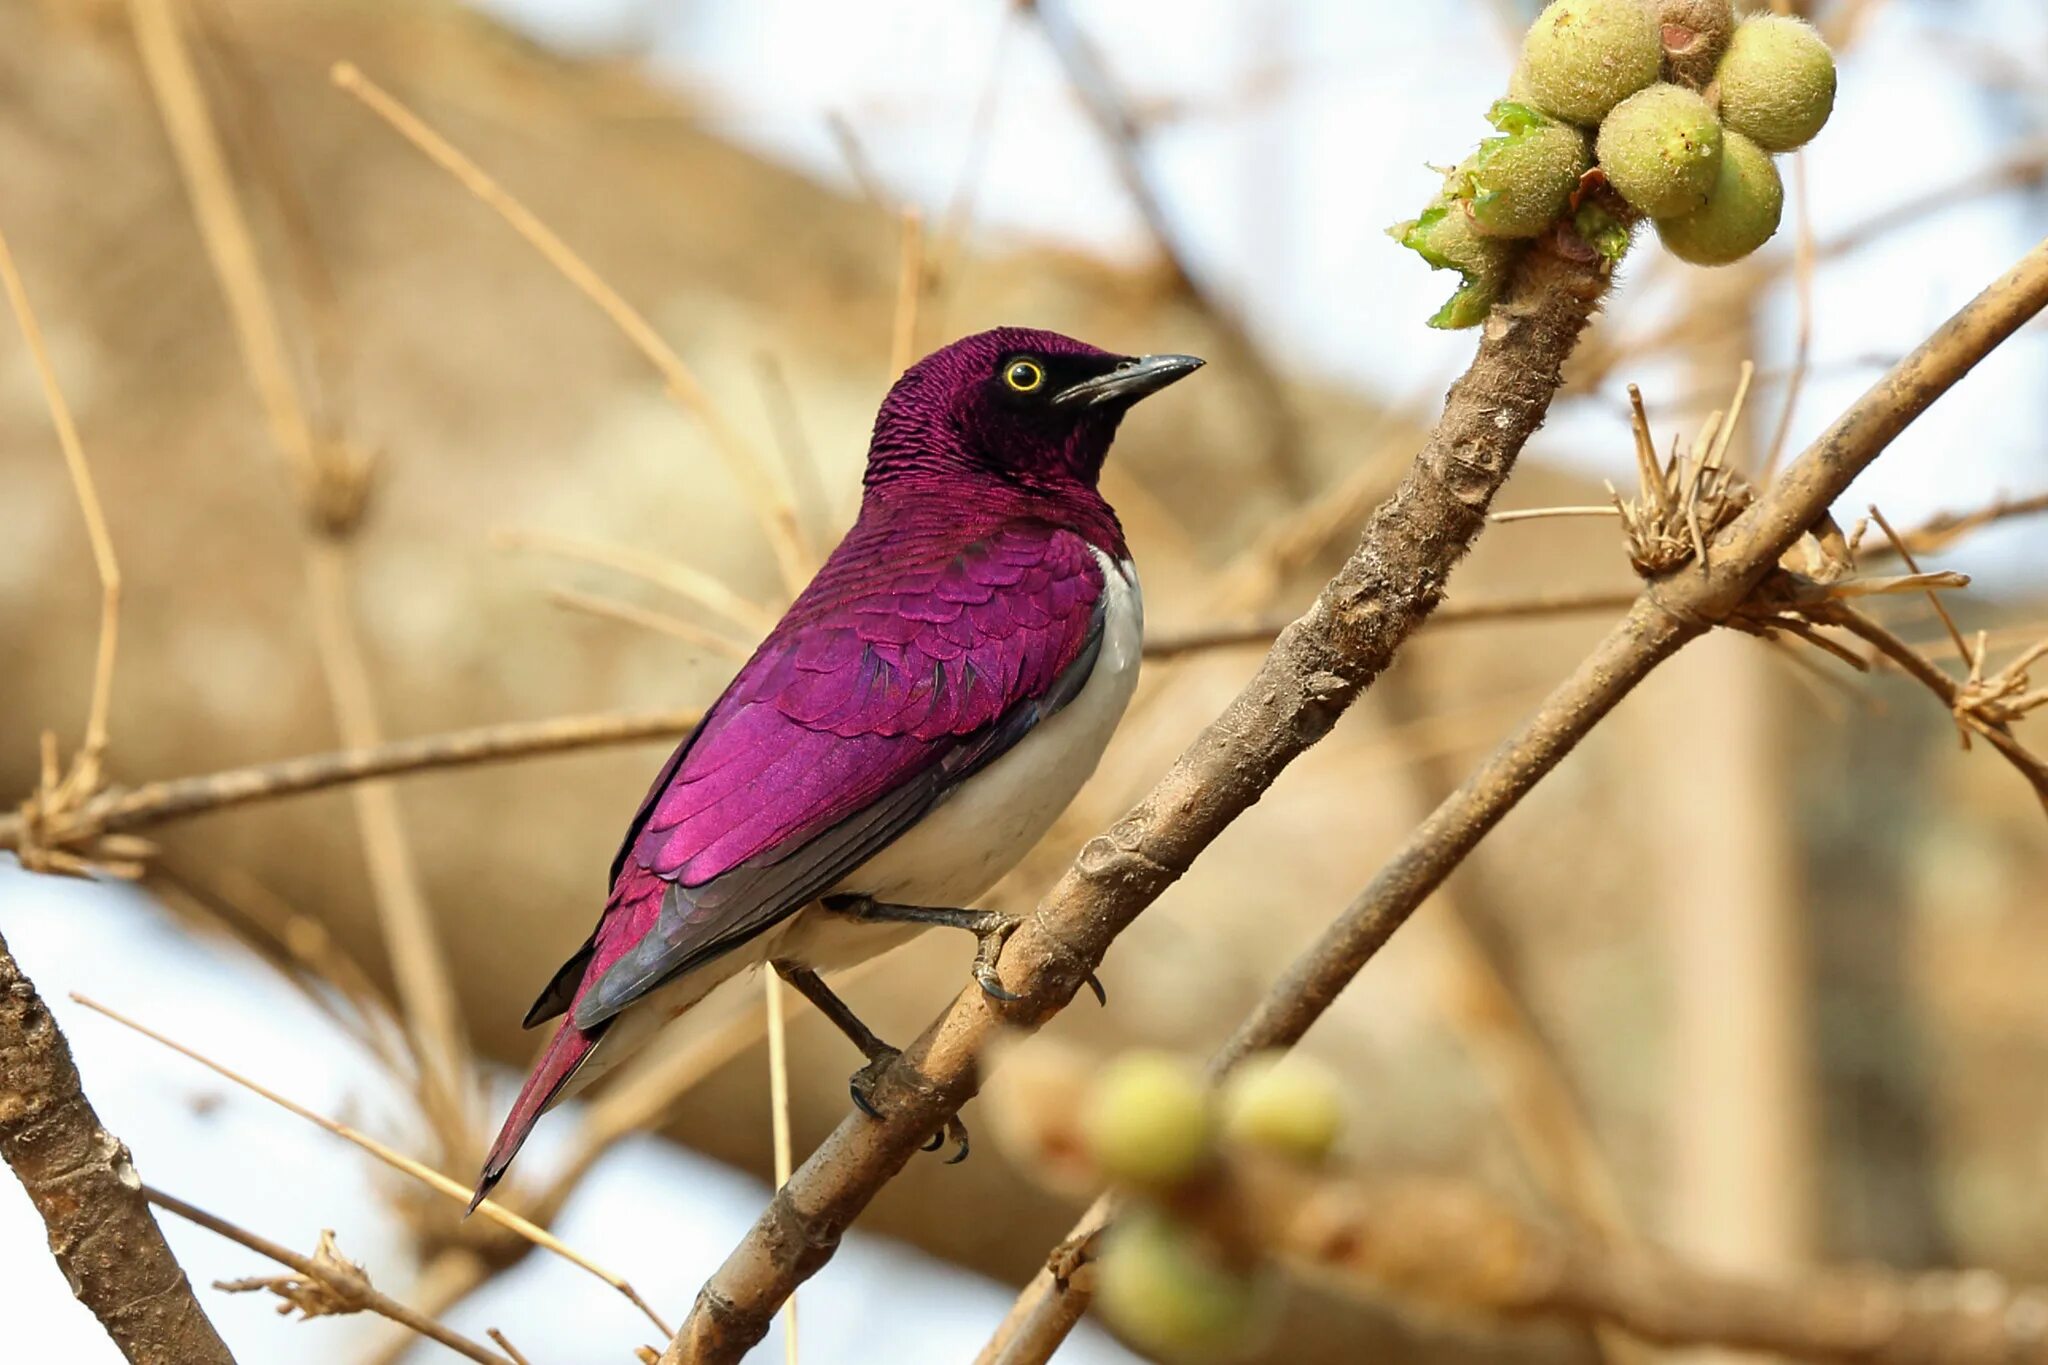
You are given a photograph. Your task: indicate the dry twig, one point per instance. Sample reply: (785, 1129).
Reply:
(326, 1283)
(118, 809)
(58, 794)
(398, 1161)
(754, 474)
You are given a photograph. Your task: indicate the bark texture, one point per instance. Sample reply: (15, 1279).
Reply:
(81, 1180)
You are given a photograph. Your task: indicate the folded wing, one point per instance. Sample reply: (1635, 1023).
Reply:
(910, 662)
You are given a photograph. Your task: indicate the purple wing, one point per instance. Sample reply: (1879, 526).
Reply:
(910, 662)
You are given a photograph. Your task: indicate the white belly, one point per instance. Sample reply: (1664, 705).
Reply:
(961, 848)
(981, 831)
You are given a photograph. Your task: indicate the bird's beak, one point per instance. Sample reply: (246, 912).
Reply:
(1128, 382)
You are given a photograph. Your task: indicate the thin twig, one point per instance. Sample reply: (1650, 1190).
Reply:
(393, 1158)
(1802, 353)
(754, 474)
(1123, 137)
(645, 618)
(335, 491)
(1545, 513)
(691, 584)
(1179, 644)
(153, 803)
(93, 750)
(347, 1288)
(909, 290)
(1923, 670)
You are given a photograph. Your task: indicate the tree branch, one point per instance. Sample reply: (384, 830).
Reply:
(83, 1183)
(338, 1286)
(1317, 667)
(1672, 610)
(118, 809)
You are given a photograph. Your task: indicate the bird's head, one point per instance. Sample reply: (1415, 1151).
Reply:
(1021, 405)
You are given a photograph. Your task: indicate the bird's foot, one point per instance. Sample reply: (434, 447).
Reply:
(862, 1087)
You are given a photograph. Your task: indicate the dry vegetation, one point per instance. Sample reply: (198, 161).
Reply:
(1728, 533)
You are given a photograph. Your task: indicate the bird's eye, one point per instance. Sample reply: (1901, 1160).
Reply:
(1024, 376)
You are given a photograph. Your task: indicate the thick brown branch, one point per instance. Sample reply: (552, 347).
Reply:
(1315, 669)
(129, 808)
(81, 1180)
(344, 1287)
(1672, 611)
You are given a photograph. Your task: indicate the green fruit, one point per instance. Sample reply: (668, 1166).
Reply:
(1518, 183)
(1740, 214)
(1693, 34)
(1283, 1103)
(1586, 56)
(1163, 1289)
(1444, 236)
(1777, 82)
(1661, 149)
(1147, 1120)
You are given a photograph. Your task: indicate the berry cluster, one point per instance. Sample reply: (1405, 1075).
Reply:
(1156, 1130)
(1672, 104)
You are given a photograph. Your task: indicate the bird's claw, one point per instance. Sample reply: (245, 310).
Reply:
(988, 954)
(1094, 983)
(862, 1085)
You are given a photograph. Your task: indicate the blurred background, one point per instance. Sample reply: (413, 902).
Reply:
(1758, 973)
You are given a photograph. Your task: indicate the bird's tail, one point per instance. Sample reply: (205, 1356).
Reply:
(566, 1051)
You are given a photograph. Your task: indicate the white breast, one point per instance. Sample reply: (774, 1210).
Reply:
(981, 831)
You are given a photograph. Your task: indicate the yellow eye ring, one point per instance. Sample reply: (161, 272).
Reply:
(1024, 376)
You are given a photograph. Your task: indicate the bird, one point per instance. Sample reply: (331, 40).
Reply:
(915, 722)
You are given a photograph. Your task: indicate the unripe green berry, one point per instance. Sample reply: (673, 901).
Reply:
(1163, 1289)
(1586, 56)
(1444, 236)
(1740, 214)
(1777, 82)
(1518, 183)
(1147, 1120)
(1282, 1103)
(1661, 148)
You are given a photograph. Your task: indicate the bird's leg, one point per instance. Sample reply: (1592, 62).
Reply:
(991, 930)
(879, 1054)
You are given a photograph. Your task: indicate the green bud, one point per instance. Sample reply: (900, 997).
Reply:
(1171, 1296)
(1694, 33)
(1586, 56)
(1283, 1103)
(1777, 82)
(1661, 148)
(1740, 214)
(1518, 183)
(1444, 237)
(1147, 1120)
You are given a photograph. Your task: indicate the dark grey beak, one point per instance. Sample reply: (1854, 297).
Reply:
(1128, 382)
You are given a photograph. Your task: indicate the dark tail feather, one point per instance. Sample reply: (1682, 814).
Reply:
(566, 1052)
